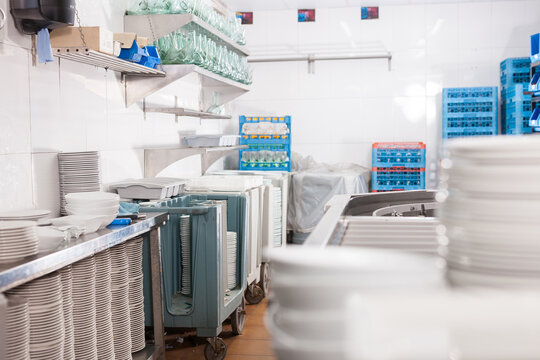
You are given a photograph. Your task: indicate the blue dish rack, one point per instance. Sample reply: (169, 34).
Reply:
(249, 158)
(398, 179)
(515, 71)
(515, 110)
(535, 47)
(470, 112)
(209, 304)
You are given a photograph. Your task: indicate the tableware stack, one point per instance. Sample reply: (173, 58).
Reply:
(311, 287)
(134, 252)
(232, 255)
(491, 199)
(23, 215)
(17, 329)
(120, 302)
(278, 230)
(97, 203)
(104, 325)
(185, 254)
(66, 278)
(84, 308)
(78, 172)
(18, 239)
(44, 297)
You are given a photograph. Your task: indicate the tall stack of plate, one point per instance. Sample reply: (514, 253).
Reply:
(185, 254)
(278, 230)
(24, 215)
(44, 297)
(66, 279)
(104, 325)
(17, 329)
(120, 302)
(78, 172)
(18, 240)
(232, 255)
(490, 211)
(84, 308)
(136, 298)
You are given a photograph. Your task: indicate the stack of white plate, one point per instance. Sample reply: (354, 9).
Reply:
(79, 172)
(104, 325)
(17, 329)
(136, 296)
(277, 217)
(27, 214)
(491, 201)
(93, 203)
(185, 252)
(66, 279)
(18, 239)
(311, 287)
(84, 308)
(44, 297)
(232, 255)
(120, 302)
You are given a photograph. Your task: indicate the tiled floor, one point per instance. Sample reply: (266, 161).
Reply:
(253, 344)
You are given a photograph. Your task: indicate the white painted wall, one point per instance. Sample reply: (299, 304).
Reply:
(344, 107)
(67, 106)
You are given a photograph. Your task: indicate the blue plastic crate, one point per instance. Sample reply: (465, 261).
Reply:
(534, 120)
(134, 53)
(392, 180)
(152, 60)
(470, 93)
(535, 47)
(285, 166)
(408, 155)
(515, 110)
(515, 71)
(534, 85)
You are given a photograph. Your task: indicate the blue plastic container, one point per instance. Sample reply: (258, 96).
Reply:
(516, 110)
(534, 121)
(393, 180)
(152, 60)
(408, 155)
(134, 53)
(515, 71)
(535, 47)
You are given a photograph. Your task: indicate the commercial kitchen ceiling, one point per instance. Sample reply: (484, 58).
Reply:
(254, 5)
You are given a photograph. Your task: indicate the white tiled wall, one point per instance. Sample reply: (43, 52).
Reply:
(346, 105)
(67, 106)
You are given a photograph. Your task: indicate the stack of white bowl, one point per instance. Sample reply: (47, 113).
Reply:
(311, 287)
(17, 329)
(78, 172)
(232, 255)
(491, 199)
(94, 203)
(278, 230)
(84, 308)
(120, 302)
(18, 239)
(67, 303)
(104, 325)
(44, 297)
(185, 252)
(136, 296)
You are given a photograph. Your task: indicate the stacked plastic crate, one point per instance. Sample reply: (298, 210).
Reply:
(269, 143)
(470, 111)
(515, 104)
(534, 85)
(398, 166)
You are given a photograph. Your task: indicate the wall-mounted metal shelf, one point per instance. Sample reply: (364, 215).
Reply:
(156, 160)
(138, 88)
(155, 26)
(182, 112)
(95, 58)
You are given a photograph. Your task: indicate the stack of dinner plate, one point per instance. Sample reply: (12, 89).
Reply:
(232, 255)
(104, 325)
(120, 302)
(27, 214)
(278, 230)
(95, 203)
(66, 279)
(84, 308)
(491, 199)
(44, 297)
(185, 252)
(17, 329)
(18, 239)
(136, 297)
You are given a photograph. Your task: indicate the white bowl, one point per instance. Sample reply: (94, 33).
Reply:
(90, 222)
(95, 197)
(92, 210)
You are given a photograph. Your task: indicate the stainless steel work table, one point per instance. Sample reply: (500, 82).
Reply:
(17, 273)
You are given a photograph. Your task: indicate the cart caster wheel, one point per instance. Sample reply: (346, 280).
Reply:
(238, 318)
(265, 279)
(216, 352)
(254, 294)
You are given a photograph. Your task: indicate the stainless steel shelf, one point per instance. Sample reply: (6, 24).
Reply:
(155, 26)
(155, 160)
(15, 274)
(185, 112)
(95, 58)
(138, 88)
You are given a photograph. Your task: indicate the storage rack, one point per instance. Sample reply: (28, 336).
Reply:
(534, 85)
(272, 142)
(398, 166)
(515, 103)
(470, 112)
